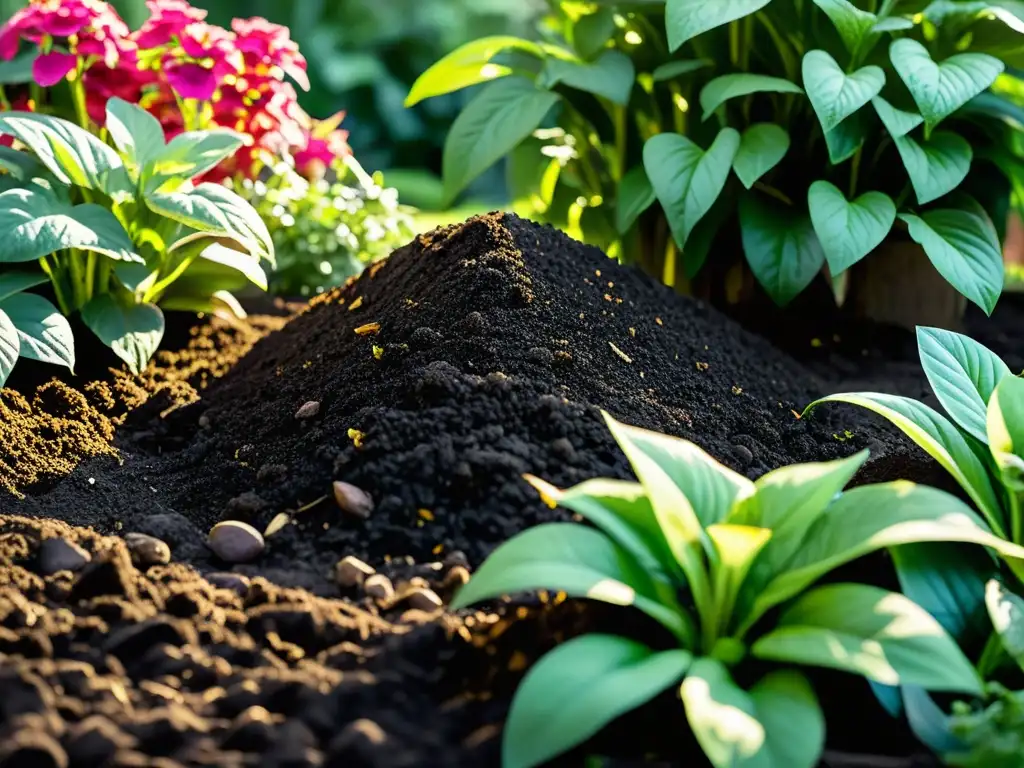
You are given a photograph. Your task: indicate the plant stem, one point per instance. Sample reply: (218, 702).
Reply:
(855, 171)
(55, 273)
(734, 43)
(1015, 512)
(78, 96)
(4, 101)
(78, 280)
(90, 275)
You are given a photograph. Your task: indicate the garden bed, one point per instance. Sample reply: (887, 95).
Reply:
(472, 356)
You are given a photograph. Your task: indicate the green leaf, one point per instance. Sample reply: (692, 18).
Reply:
(10, 346)
(70, 153)
(133, 332)
(188, 155)
(721, 89)
(635, 195)
(897, 122)
(873, 517)
(570, 558)
(1006, 431)
(241, 262)
(780, 246)
(16, 282)
(853, 25)
(213, 209)
(686, 179)
(702, 238)
(937, 436)
(503, 114)
(591, 33)
(778, 724)
(577, 689)
(687, 19)
(44, 333)
(610, 76)
(834, 94)
(963, 375)
(845, 139)
(872, 632)
(674, 69)
(941, 89)
(21, 165)
(466, 66)
(762, 147)
(964, 249)
(894, 24)
(34, 224)
(136, 133)
(18, 70)
(849, 231)
(1006, 611)
(936, 167)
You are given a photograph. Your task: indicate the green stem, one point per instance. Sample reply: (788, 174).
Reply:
(855, 171)
(50, 265)
(1015, 516)
(77, 276)
(4, 101)
(90, 275)
(678, 115)
(734, 43)
(619, 167)
(78, 96)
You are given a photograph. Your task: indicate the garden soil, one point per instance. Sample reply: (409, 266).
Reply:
(472, 356)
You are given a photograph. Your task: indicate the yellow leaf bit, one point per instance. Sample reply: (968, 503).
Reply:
(355, 304)
(368, 329)
(378, 352)
(356, 437)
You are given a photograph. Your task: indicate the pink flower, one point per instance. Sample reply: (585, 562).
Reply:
(206, 57)
(325, 144)
(167, 20)
(50, 68)
(266, 45)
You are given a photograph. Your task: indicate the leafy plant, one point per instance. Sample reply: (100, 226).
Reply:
(993, 737)
(728, 567)
(116, 231)
(816, 129)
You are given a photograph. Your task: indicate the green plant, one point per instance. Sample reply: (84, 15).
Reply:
(816, 129)
(325, 231)
(728, 567)
(116, 231)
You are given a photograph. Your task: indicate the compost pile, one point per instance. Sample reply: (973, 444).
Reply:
(473, 355)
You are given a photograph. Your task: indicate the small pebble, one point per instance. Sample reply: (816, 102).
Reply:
(351, 571)
(424, 599)
(204, 422)
(379, 587)
(57, 555)
(235, 582)
(235, 542)
(308, 410)
(456, 557)
(147, 550)
(540, 355)
(354, 501)
(744, 454)
(456, 577)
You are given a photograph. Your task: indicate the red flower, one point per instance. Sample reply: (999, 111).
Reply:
(325, 144)
(167, 20)
(266, 45)
(205, 59)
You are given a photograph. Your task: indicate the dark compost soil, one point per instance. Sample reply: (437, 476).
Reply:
(473, 355)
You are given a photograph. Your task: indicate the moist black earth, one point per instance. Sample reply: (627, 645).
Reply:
(473, 355)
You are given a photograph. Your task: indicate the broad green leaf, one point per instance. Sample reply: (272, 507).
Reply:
(466, 66)
(1006, 610)
(188, 155)
(702, 238)
(845, 139)
(580, 687)
(213, 209)
(34, 224)
(948, 581)
(937, 166)
(872, 632)
(735, 549)
(937, 436)
(778, 724)
(18, 70)
(940, 89)
(721, 89)
(848, 230)
(219, 303)
(591, 33)
(566, 557)
(873, 517)
(133, 332)
(709, 486)
(136, 133)
(687, 19)
(635, 195)
(1006, 431)
(834, 94)
(43, 332)
(780, 246)
(10, 345)
(610, 76)
(897, 122)
(241, 262)
(16, 282)
(762, 147)
(674, 69)
(894, 24)
(70, 153)
(686, 179)
(21, 165)
(503, 114)
(964, 249)
(963, 374)
(853, 25)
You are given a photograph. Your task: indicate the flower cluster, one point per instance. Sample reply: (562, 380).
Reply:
(186, 72)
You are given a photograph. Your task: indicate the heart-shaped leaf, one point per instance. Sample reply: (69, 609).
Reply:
(135, 132)
(853, 25)
(964, 249)
(132, 331)
(635, 195)
(721, 89)
(897, 122)
(500, 116)
(762, 147)
(937, 166)
(834, 94)
(845, 139)
(16, 282)
(849, 231)
(591, 33)
(780, 246)
(686, 179)
(188, 155)
(44, 333)
(10, 346)
(940, 89)
(610, 76)
(686, 19)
